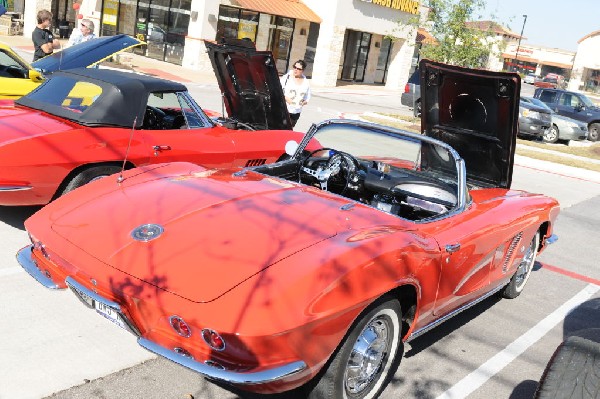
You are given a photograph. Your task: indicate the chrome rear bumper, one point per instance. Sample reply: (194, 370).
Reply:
(26, 261)
(227, 376)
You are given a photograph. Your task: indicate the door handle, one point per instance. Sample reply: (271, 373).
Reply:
(450, 248)
(159, 148)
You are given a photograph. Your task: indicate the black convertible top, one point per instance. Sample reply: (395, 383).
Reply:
(123, 96)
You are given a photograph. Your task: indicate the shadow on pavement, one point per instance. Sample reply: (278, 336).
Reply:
(15, 215)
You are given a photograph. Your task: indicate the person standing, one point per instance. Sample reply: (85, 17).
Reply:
(84, 33)
(43, 39)
(296, 90)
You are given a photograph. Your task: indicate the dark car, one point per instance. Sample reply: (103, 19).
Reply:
(573, 105)
(562, 127)
(412, 93)
(547, 82)
(533, 120)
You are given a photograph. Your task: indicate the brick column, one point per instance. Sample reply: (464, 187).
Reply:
(328, 55)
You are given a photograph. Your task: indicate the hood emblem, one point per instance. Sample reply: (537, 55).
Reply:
(147, 232)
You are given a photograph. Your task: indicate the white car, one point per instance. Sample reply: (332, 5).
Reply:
(529, 78)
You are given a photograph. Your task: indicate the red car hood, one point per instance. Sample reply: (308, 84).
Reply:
(18, 123)
(219, 229)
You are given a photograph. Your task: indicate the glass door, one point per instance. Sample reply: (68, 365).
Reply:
(355, 55)
(383, 60)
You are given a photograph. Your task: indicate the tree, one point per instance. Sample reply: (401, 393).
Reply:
(459, 41)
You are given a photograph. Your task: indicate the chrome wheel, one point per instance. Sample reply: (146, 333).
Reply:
(514, 288)
(551, 134)
(367, 358)
(526, 265)
(368, 354)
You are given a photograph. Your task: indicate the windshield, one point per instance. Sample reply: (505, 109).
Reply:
(586, 101)
(391, 152)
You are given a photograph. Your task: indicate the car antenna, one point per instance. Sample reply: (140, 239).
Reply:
(120, 178)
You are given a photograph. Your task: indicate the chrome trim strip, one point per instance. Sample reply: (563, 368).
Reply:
(75, 286)
(15, 188)
(230, 377)
(439, 321)
(26, 261)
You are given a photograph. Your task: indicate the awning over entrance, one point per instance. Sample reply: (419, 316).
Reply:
(284, 8)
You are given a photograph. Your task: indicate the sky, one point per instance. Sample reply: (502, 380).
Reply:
(550, 23)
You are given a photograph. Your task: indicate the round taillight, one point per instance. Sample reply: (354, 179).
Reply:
(180, 326)
(213, 339)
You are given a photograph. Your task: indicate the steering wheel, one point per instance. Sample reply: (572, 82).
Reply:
(339, 166)
(153, 118)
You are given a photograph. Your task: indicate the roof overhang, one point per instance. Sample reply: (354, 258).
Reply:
(285, 8)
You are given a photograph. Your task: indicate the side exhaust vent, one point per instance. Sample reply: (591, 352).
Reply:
(256, 162)
(511, 250)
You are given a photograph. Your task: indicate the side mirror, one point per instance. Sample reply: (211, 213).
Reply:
(36, 76)
(579, 107)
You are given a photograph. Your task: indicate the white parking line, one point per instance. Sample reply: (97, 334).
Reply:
(10, 271)
(493, 366)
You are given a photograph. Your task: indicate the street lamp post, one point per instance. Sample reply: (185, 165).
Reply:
(519, 45)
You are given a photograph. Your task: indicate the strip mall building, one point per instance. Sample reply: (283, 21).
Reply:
(341, 40)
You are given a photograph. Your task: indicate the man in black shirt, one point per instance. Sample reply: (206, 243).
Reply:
(44, 42)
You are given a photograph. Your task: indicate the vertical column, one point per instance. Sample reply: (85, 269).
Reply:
(203, 26)
(29, 16)
(328, 56)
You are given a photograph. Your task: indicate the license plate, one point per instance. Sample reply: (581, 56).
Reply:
(111, 314)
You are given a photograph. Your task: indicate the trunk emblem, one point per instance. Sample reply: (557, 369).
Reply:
(147, 232)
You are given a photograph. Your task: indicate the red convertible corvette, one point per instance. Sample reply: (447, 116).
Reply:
(310, 272)
(83, 124)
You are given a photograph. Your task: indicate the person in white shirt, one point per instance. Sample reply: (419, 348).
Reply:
(296, 90)
(83, 34)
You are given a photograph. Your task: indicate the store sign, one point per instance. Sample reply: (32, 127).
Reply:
(109, 12)
(409, 6)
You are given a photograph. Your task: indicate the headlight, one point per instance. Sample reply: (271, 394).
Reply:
(535, 115)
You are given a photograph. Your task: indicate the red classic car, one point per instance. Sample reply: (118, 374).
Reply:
(83, 124)
(310, 272)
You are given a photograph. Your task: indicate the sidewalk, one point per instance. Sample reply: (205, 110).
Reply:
(174, 72)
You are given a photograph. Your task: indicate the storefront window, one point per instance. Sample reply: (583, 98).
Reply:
(179, 20)
(235, 23)
(280, 41)
(157, 28)
(127, 18)
(383, 60)
(110, 11)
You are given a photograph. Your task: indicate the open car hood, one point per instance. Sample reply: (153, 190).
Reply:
(85, 54)
(250, 84)
(477, 113)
